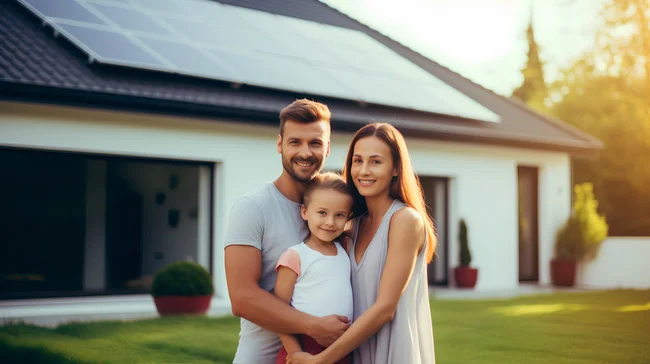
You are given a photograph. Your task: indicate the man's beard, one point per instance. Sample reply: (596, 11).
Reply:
(289, 167)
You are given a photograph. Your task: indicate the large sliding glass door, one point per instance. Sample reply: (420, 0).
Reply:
(75, 224)
(42, 222)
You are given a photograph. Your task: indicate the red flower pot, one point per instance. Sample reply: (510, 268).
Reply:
(182, 305)
(465, 277)
(563, 272)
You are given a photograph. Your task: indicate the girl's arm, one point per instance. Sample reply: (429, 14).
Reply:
(284, 290)
(405, 241)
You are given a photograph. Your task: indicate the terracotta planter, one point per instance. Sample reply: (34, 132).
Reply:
(465, 277)
(563, 272)
(182, 305)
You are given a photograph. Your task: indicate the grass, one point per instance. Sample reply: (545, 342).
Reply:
(576, 328)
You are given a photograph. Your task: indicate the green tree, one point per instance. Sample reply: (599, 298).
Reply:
(626, 39)
(533, 90)
(606, 93)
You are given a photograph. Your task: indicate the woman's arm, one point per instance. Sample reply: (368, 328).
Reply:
(284, 290)
(405, 240)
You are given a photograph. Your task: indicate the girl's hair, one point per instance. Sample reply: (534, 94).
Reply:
(326, 181)
(404, 187)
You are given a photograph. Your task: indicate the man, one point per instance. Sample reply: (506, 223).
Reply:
(262, 225)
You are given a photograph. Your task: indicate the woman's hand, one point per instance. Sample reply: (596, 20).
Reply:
(303, 358)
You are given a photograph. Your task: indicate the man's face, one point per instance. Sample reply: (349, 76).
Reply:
(304, 148)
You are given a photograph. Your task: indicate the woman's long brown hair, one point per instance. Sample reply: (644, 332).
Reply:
(405, 186)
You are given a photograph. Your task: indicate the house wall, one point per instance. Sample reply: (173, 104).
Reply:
(483, 191)
(483, 179)
(622, 262)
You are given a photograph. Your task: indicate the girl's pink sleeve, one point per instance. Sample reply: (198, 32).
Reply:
(289, 259)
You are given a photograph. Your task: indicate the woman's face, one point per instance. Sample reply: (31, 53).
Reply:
(372, 167)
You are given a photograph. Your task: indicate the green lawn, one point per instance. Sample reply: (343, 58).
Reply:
(576, 328)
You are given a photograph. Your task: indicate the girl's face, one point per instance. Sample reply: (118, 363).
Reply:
(326, 213)
(372, 167)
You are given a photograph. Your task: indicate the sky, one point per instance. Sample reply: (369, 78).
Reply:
(484, 40)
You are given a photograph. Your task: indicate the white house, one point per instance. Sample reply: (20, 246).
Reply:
(128, 129)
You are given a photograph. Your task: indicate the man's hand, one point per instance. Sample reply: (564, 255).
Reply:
(325, 330)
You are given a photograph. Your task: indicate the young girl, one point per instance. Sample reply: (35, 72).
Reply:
(314, 276)
(393, 240)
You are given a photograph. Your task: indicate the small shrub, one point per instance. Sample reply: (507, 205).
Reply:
(465, 254)
(183, 278)
(581, 236)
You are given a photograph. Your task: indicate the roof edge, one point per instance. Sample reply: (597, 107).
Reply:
(558, 123)
(265, 116)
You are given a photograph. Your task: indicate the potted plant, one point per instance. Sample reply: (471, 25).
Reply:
(182, 288)
(580, 238)
(464, 275)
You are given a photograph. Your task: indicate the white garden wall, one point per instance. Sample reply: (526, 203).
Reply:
(622, 262)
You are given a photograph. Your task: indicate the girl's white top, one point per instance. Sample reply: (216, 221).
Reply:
(323, 286)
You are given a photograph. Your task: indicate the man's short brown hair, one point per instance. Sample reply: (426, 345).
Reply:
(304, 111)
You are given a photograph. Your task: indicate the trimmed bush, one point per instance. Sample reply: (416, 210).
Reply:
(465, 254)
(183, 278)
(580, 237)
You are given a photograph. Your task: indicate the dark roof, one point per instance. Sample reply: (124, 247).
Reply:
(35, 66)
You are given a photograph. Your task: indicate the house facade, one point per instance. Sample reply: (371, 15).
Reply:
(113, 172)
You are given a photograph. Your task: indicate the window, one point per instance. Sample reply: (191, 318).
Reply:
(74, 224)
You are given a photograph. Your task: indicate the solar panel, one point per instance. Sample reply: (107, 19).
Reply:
(190, 60)
(220, 35)
(110, 47)
(130, 18)
(169, 6)
(271, 71)
(207, 39)
(63, 9)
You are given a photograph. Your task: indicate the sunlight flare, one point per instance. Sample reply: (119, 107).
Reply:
(488, 33)
(526, 310)
(634, 308)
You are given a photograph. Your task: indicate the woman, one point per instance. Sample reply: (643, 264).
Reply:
(393, 240)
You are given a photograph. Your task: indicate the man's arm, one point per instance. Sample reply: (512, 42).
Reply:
(243, 262)
(250, 301)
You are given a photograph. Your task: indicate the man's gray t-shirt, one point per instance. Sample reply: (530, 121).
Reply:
(266, 220)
